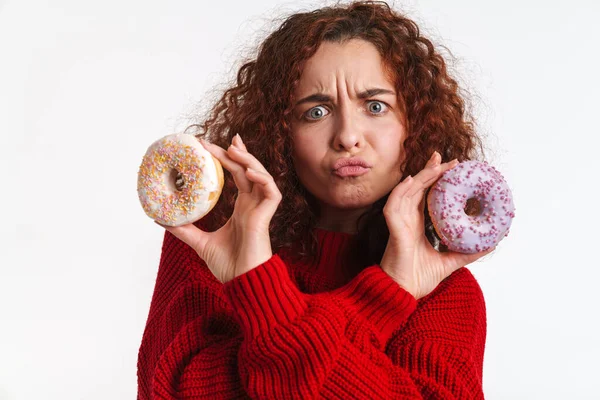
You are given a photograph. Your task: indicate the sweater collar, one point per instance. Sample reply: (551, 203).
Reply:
(332, 259)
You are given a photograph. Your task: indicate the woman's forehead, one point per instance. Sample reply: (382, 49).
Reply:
(353, 66)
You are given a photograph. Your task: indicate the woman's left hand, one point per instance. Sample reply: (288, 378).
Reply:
(409, 258)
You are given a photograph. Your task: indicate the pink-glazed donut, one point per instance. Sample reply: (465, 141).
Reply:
(471, 207)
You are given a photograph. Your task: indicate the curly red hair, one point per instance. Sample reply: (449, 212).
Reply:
(259, 105)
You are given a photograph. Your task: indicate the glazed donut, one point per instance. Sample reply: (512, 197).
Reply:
(471, 207)
(179, 181)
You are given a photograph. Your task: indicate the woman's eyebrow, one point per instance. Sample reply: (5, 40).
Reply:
(323, 98)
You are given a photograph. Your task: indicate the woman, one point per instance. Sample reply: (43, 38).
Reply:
(317, 274)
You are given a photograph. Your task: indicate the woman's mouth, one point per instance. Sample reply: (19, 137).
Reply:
(351, 170)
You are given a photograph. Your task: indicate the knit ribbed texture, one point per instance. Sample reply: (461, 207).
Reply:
(308, 330)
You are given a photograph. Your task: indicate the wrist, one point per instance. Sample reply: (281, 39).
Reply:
(399, 281)
(393, 265)
(252, 253)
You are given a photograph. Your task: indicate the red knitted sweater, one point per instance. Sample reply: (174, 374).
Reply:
(307, 331)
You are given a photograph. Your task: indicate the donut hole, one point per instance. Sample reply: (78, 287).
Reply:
(176, 180)
(473, 207)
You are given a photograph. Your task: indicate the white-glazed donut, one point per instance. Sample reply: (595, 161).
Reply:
(167, 201)
(471, 207)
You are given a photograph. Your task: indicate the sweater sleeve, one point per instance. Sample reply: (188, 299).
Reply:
(449, 330)
(331, 344)
(184, 306)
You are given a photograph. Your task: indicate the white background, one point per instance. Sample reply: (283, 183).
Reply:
(85, 87)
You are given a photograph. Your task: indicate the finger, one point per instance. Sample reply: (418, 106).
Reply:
(457, 260)
(266, 181)
(444, 168)
(422, 205)
(271, 192)
(237, 170)
(190, 234)
(433, 162)
(397, 194)
(428, 176)
(435, 159)
(246, 159)
(237, 140)
(422, 178)
(401, 189)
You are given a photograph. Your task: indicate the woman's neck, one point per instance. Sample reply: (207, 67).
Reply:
(338, 220)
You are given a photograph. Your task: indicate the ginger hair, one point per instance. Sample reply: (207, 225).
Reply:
(259, 104)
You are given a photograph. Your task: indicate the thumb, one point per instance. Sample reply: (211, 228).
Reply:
(458, 260)
(189, 234)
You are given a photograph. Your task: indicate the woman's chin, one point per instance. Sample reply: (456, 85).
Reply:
(349, 201)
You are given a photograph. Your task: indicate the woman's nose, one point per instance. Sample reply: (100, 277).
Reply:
(348, 131)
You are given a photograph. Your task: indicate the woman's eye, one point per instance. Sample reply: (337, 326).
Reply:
(316, 112)
(376, 107)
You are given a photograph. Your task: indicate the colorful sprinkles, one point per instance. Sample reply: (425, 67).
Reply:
(156, 180)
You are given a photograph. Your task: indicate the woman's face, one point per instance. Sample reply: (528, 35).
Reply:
(336, 118)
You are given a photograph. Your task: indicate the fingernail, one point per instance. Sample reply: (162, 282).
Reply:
(239, 137)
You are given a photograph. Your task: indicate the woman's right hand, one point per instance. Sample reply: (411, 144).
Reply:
(243, 242)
